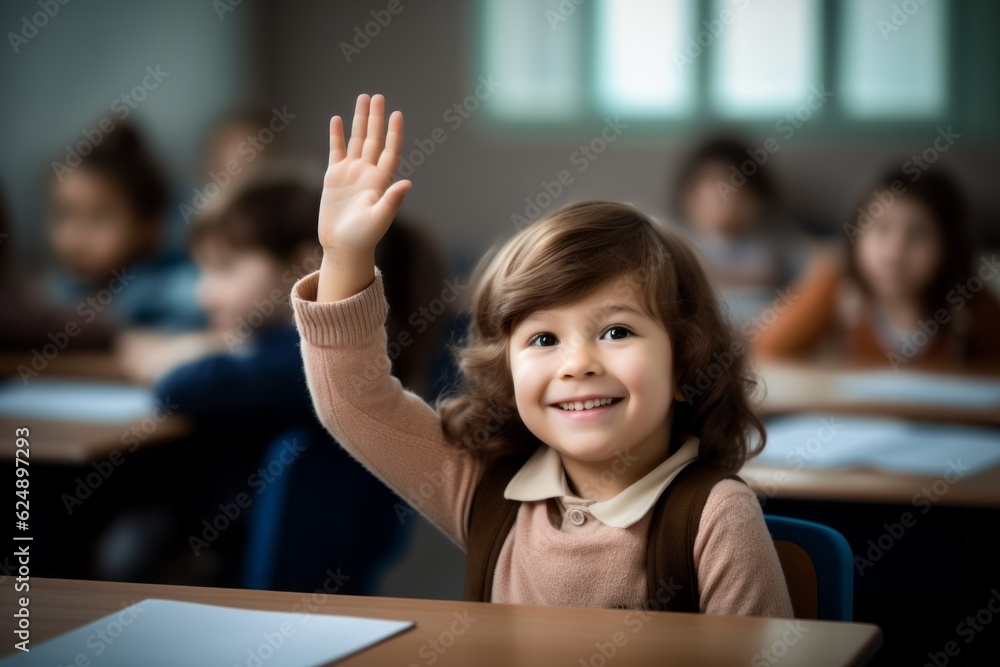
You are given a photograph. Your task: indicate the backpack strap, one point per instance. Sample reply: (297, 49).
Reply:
(671, 577)
(491, 517)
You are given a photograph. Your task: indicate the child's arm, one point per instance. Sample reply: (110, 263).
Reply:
(739, 573)
(340, 312)
(806, 321)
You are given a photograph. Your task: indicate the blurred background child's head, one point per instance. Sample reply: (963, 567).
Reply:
(234, 145)
(253, 246)
(108, 211)
(910, 243)
(718, 195)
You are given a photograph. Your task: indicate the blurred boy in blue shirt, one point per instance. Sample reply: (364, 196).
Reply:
(250, 247)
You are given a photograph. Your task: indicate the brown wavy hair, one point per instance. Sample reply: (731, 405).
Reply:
(566, 256)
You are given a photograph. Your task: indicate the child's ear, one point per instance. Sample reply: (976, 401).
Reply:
(678, 394)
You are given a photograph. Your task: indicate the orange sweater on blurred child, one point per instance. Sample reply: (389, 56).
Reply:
(908, 296)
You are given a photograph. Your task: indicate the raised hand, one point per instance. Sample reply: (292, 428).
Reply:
(359, 198)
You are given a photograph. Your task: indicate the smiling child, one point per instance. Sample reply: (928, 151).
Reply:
(586, 329)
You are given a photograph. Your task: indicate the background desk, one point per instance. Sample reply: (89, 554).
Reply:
(500, 634)
(68, 442)
(95, 364)
(796, 388)
(869, 486)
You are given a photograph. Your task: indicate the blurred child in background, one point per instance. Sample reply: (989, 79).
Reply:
(250, 249)
(728, 206)
(908, 294)
(237, 146)
(230, 143)
(106, 230)
(27, 320)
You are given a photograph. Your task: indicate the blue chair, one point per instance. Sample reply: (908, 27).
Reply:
(321, 514)
(818, 566)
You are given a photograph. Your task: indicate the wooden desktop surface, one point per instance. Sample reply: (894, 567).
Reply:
(798, 388)
(69, 442)
(75, 442)
(793, 388)
(871, 486)
(91, 364)
(496, 634)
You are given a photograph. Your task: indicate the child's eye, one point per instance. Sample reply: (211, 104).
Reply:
(543, 340)
(616, 333)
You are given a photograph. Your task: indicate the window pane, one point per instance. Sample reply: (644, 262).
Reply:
(534, 51)
(765, 53)
(894, 63)
(641, 67)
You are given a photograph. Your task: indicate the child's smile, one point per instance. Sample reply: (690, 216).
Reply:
(587, 407)
(595, 378)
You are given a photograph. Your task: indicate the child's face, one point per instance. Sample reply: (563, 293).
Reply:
(237, 288)
(592, 349)
(899, 254)
(93, 229)
(713, 207)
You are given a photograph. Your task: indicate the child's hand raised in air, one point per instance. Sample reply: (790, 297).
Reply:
(359, 198)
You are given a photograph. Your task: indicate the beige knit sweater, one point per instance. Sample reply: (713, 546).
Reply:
(545, 560)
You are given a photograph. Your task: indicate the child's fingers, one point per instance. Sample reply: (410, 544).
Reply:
(338, 151)
(376, 128)
(389, 160)
(385, 208)
(360, 126)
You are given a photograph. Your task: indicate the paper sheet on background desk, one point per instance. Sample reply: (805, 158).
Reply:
(165, 633)
(75, 401)
(915, 448)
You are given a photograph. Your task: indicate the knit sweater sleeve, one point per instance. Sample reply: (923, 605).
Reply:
(390, 430)
(739, 573)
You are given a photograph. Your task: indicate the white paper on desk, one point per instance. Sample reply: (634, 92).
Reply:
(165, 633)
(918, 388)
(75, 401)
(917, 448)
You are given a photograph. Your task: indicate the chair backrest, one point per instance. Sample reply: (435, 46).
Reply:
(319, 511)
(818, 566)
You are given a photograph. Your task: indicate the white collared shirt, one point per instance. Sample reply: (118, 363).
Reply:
(542, 477)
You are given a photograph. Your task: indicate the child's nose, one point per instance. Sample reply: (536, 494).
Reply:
(579, 360)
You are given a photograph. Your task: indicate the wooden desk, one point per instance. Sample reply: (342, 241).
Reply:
(83, 442)
(799, 389)
(95, 364)
(870, 486)
(74, 442)
(795, 388)
(500, 634)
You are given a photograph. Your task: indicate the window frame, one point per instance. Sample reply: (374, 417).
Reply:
(972, 103)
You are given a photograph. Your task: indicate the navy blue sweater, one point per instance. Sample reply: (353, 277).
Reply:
(336, 513)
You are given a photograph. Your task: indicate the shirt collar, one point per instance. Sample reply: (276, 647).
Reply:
(542, 477)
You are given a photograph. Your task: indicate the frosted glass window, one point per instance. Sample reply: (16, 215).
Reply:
(642, 66)
(534, 50)
(766, 54)
(894, 58)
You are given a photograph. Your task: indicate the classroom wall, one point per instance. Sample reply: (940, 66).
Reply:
(71, 73)
(287, 55)
(469, 187)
